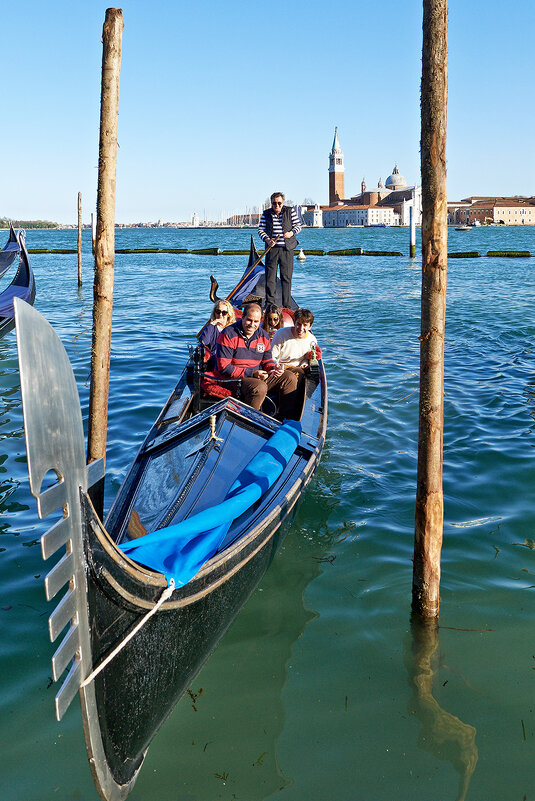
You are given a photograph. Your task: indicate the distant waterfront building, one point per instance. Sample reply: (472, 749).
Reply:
(385, 204)
(484, 210)
(195, 220)
(317, 216)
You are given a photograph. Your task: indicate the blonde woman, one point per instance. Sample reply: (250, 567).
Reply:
(222, 315)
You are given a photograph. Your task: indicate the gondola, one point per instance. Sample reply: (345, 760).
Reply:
(9, 251)
(232, 475)
(22, 286)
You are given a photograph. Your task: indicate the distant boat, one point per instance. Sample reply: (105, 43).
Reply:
(9, 251)
(301, 256)
(22, 285)
(376, 225)
(463, 228)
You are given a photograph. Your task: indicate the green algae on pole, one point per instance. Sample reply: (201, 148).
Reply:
(382, 253)
(510, 254)
(429, 511)
(346, 252)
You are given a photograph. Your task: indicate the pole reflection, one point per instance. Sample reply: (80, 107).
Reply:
(441, 733)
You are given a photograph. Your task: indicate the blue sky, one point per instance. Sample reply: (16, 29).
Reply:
(222, 103)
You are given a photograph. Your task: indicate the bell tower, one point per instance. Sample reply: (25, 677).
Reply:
(336, 173)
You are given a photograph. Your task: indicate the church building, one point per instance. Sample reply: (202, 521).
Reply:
(383, 205)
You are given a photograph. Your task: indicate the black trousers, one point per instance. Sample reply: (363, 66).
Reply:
(284, 259)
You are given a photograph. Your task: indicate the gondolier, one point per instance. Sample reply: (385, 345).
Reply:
(278, 229)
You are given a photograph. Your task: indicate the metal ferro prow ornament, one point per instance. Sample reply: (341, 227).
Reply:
(55, 442)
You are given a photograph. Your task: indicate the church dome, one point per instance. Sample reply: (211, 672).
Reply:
(396, 180)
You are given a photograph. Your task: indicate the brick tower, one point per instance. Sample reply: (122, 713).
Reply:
(336, 173)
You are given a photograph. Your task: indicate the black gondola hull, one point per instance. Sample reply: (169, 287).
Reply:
(22, 286)
(147, 678)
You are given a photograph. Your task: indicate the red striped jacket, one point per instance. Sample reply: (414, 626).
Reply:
(238, 357)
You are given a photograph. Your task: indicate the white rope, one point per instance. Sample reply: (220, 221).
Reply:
(162, 599)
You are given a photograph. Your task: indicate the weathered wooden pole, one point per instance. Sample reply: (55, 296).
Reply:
(429, 495)
(79, 239)
(105, 239)
(412, 226)
(93, 233)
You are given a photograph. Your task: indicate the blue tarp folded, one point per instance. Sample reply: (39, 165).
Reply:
(239, 295)
(179, 551)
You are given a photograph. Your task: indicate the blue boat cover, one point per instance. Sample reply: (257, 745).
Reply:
(238, 296)
(179, 551)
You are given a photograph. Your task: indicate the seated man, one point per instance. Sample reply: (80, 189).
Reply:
(244, 351)
(291, 346)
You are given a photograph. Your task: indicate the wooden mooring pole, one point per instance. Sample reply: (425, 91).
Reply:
(79, 239)
(105, 241)
(412, 225)
(93, 233)
(429, 495)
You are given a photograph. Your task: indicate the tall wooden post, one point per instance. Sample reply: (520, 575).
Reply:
(79, 239)
(105, 239)
(429, 496)
(412, 226)
(93, 233)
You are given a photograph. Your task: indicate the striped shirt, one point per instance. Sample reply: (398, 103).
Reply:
(239, 357)
(277, 226)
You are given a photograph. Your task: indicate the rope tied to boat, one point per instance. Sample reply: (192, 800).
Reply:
(166, 594)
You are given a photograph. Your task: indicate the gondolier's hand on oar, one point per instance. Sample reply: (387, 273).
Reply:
(270, 242)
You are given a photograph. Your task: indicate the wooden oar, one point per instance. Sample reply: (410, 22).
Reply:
(247, 274)
(257, 262)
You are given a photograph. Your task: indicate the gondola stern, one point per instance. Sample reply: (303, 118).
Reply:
(253, 254)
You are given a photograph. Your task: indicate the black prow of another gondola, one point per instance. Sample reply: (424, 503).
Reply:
(22, 286)
(9, 251)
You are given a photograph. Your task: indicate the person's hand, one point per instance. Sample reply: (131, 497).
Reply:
(260, 374)
(269, 242)
(288, 234)
(278, 371)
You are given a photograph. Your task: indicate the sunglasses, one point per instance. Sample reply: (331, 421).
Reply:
(276, 203)
(273, 318)
(220, 312)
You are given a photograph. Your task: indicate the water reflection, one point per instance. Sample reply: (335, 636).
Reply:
(442, 734)
(529, 396)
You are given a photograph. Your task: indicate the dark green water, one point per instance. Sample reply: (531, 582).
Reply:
(320, 691)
